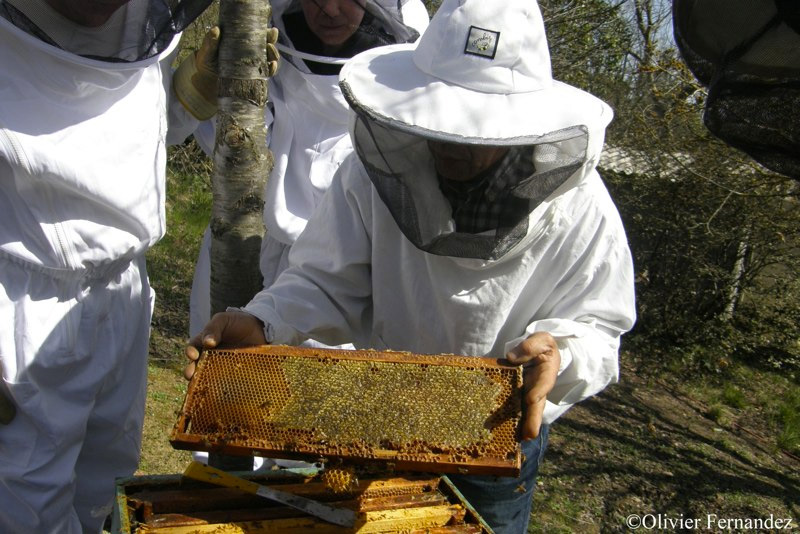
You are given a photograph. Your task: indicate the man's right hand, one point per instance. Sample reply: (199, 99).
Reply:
(227, 329)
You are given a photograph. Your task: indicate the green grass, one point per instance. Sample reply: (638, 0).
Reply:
(170, 266)
(166, 390)
(171, 261)
(733, 396)
(716, 412)
(788, 419)
(766, 402)
(558, 510)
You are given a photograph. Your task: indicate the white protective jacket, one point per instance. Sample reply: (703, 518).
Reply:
(82, 172)
(309, 142)
(63, 211)
(309, 139)
(354, 276)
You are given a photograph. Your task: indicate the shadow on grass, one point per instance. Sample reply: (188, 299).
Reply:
(639, 450)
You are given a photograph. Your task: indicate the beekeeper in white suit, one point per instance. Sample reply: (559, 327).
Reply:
(84, 91)
(470, 220)
(307, 119)
(307, 116)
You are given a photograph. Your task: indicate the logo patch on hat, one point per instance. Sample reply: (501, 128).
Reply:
(482, 42)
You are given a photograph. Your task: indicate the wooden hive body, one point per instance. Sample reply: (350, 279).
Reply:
(170, 504)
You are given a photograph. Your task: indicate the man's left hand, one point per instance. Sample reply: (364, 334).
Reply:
(540, 357)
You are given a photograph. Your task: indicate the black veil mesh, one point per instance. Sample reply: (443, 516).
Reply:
(400, 166)
(164, 20)
(168, 18)
(746, 53)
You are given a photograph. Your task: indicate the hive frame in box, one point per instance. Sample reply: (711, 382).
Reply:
(171, 504)
(238, 399)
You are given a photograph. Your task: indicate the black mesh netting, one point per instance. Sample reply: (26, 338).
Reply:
(400, 167)
(747, 52)
(164, 19)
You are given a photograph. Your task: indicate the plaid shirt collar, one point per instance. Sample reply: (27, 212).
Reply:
(485, 202)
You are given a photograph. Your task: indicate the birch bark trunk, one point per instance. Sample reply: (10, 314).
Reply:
(242, 164)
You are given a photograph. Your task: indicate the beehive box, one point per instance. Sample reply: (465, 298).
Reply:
(408, 412)
(171, 504)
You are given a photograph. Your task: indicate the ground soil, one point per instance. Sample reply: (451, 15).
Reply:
(642, 450)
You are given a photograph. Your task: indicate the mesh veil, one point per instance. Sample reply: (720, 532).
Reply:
(401, 167)
(746, 53)
(162, 21)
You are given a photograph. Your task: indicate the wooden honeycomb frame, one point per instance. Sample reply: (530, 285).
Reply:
(409, 412)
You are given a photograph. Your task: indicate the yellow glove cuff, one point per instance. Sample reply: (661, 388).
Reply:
(191, 86)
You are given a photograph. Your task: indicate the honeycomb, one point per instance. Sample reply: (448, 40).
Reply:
(441, 413)
(340, 479)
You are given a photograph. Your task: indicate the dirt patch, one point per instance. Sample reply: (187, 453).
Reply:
(643, 450)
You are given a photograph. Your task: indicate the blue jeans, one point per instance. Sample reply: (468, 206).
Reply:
(501, 501)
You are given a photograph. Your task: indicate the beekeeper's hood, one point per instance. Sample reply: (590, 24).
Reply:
(138, 30)
(479, 75)
(747, 52)
(386, 27)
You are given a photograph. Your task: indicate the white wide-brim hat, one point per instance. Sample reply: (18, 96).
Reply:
(479, 74)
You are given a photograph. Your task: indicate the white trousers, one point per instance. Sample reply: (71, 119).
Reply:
(74, 360)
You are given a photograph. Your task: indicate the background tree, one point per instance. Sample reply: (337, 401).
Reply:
(242, 163)
(589, 42)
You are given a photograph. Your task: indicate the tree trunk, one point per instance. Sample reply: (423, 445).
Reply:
(242, 164)
(737, 276)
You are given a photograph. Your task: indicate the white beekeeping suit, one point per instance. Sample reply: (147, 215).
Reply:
(383, 260)
(83, 133)
(307, 121)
